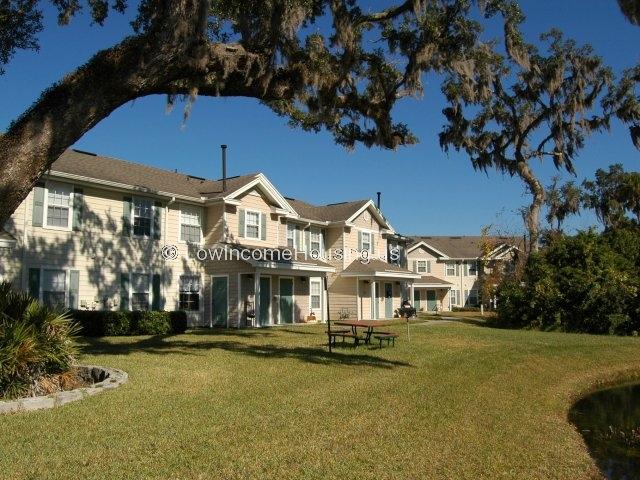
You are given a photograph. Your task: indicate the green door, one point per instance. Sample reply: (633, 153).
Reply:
(219, 304)
(286, 300)
(388, 300)
(265, 300)
(416, 300)
(431, 300)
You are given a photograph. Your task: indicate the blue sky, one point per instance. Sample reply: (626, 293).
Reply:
(423, 189)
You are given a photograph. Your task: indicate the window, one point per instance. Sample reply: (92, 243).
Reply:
(451, 269)
(315, 294)
(190, 228)
(54, 283)
(315, 239)
(366, 241)
(140, 298)
(252, 225)
(473, 298)
(423, 266)
(189, 293)
(142, 217)
(472, 268)
(291, 235)
(455, 297)
(58, 205)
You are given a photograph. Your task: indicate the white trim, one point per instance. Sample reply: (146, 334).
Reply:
(246, 224)
(381, 274)
(320, 308)
(426, 245)
(376, 213)
(201, 216)
(291, 266)
(239, 300)
(141, 272)
(270, 319)
(151, 223)
(45, 207)
(211, 277)
(270, 191)
(67, 275)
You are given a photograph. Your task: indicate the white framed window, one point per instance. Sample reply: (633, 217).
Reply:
(315, 239)
(473, 268)
(59, 205)
(423, 266)
(189, 299)
(455, 297)
(315, 294)
(54, 287)
(472, 299)
(450, 269)
(366, 241)
(142, 217)
(190, 224)
(252, 224)
(140, 291)
(291, 235)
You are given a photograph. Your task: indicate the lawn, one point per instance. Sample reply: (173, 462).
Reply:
(459, 401)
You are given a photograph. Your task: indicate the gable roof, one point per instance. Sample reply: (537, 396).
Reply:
(144, 177)
(335, 212)
(459, 246)
(377, 267)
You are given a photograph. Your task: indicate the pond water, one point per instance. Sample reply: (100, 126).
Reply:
(609, 421)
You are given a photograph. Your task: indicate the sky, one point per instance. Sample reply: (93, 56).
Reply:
(424, 190)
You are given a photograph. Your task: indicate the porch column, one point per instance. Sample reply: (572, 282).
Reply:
(358, 300)
(256, 302)
(411, 296)
(374, 299)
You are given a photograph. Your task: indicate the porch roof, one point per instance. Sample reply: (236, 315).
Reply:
(430, 281)
(276, 258)
(377, 268)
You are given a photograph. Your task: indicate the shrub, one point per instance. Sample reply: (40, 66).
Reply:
(98, 323)
(35, 341)
(585, 283)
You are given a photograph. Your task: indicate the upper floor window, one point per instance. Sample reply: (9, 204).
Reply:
(291, 235)
(366, 241)
(451, 269)
(58, 205)
(140, 291)
(142, 217)
(252, 225)
(472, 268)
(423, 266)
(190, 225)
(315, 239)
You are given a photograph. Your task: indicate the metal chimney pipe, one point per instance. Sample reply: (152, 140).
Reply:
(224, 167)
(379, 193)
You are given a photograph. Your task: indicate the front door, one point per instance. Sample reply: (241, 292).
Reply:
(388, 300)
(286, 300)
(219, 301)
(431, 300)
(265, 301)
(416, 300)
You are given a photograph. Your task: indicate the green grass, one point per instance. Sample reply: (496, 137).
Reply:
(458, 401)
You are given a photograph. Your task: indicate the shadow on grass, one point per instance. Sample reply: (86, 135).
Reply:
(168, 344)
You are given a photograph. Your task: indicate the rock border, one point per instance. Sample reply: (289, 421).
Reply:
(106, 379)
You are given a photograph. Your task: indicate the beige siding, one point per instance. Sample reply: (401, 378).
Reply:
(252, 200)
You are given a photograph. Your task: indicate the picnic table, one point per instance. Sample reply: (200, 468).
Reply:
(368, 324)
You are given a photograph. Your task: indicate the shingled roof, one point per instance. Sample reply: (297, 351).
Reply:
(153, 179)
(461, 246)
(357, 267)
(334, 212)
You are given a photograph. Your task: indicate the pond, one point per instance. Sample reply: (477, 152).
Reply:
(609, 421)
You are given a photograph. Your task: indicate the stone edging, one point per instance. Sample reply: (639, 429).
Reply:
(106, 379)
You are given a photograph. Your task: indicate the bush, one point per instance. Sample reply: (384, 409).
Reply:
(585, 283)
(99, 323)
(35, 341)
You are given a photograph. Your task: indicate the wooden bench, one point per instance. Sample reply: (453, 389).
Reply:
(389, 337)
(344, 334)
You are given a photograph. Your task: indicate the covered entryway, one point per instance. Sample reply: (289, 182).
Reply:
(429, 294)
(265, 317)
(219, 301)
(286, 300)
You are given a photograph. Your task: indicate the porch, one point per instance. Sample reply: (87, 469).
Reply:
(431, 294)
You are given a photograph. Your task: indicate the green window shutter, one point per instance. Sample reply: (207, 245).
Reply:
(74, 288)
(359, 240)
(457, 269)
(307, 239)
(78, 208)
(415, 266)
(263, 226)
(34, 283)
(298, 238)
(126, 216)
(373, 242)
(157, 220)
(124, 291)
(428, 266)
(157, 302)
(240, 222)
(38, 205)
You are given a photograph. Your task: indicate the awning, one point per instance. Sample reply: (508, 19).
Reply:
(378, 269)
(428, 281)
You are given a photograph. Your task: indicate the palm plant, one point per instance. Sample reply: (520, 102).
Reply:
(35, 342)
